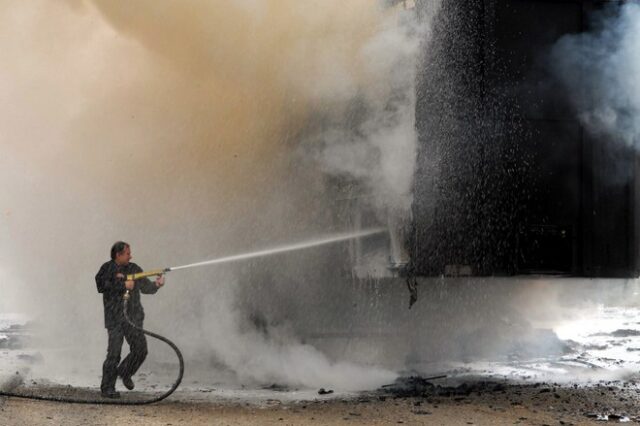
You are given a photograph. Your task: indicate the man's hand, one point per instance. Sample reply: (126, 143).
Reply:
(129, 284)
(160, 281)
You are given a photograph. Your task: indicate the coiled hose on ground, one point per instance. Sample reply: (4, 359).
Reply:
(114, 401)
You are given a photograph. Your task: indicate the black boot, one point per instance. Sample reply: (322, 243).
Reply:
(127, 382)
(111, 394)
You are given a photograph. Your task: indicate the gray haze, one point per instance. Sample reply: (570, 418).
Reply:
(600, 70)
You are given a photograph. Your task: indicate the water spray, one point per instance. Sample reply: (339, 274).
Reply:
(156, 272)
(262, 253)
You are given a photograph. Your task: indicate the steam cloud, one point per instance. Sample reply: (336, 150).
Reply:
(193, 129)
(600, 67)
(385, 135)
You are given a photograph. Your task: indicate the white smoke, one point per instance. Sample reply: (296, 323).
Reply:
(276, 355)
(379, 150)
(172, 127)
(600, 70)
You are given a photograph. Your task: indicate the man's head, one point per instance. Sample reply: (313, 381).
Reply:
(121, 253)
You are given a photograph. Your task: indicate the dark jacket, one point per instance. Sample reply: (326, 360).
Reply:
(113, 289)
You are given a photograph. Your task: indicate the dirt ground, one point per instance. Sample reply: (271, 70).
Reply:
(485, 403)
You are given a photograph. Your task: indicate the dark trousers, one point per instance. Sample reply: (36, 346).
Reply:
(112, 367)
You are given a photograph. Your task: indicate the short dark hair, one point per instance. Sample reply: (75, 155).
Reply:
(118, 248)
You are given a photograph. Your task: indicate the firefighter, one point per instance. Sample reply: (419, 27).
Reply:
(111, 282)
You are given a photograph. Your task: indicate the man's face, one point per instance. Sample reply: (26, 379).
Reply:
(124, 256)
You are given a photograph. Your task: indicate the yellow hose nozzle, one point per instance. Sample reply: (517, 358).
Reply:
(146, 274)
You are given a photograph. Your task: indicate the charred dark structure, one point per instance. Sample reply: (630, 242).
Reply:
(508, 181)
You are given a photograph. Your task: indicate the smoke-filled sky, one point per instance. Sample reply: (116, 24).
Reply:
(157, 114)
(190, 129)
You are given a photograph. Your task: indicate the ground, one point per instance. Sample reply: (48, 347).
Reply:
(591, 377)
(415, 402)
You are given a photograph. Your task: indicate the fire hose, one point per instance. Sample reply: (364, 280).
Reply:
(176, 383)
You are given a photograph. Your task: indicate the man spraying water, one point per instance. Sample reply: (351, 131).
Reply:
(112, 282)
(119, 277)
(120, 281)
